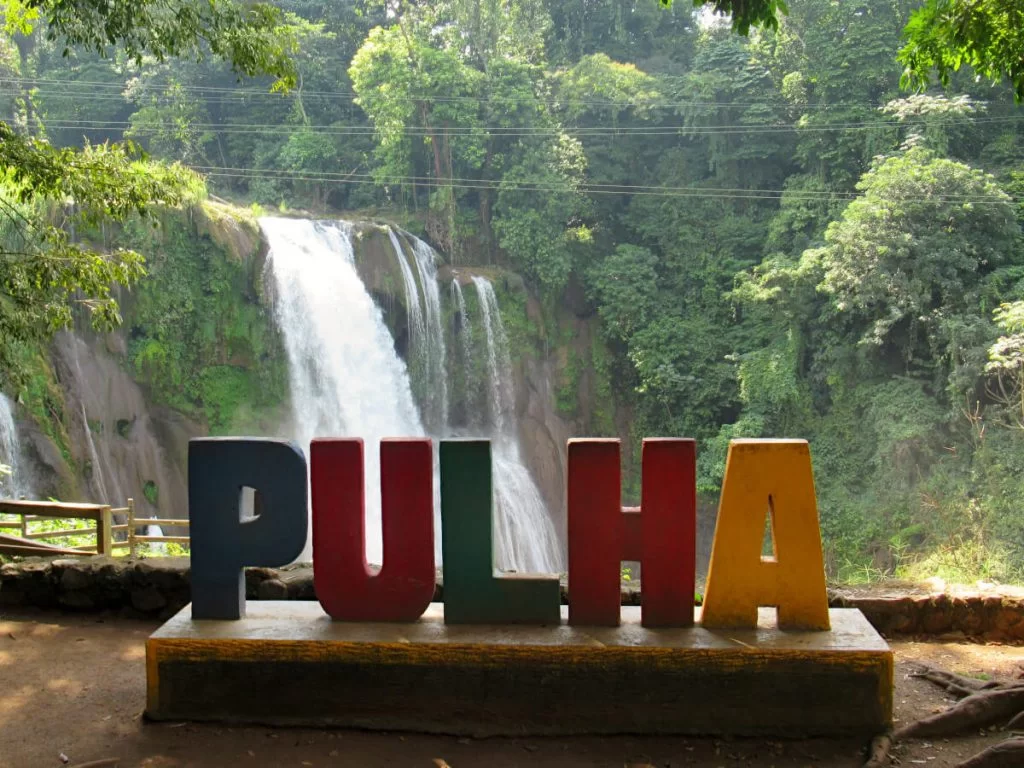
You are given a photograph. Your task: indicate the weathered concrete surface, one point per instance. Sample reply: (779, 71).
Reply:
(287, 663)
(128, 586)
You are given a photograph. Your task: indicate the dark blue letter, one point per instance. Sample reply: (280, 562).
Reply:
(222, 542)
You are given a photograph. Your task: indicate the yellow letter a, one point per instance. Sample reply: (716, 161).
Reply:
(760, 475)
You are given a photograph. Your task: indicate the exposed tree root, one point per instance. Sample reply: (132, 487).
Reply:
(992, 707)
(1007, 754)
(981, 704)
(878, 755)
(1017, 724)
(958, 685)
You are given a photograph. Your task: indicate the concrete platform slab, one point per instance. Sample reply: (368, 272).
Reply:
(287, 663)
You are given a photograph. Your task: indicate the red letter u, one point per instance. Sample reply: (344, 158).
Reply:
(345, 586)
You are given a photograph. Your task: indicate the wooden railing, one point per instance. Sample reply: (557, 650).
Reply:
(133, 523)
(101, 514)
(104, 530)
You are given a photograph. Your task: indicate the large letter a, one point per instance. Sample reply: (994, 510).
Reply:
(774, 477)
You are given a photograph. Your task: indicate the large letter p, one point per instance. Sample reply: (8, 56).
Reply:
(222, 542)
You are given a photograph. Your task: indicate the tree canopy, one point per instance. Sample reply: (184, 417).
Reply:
(985, 35)
(720, 235)
(46, 188)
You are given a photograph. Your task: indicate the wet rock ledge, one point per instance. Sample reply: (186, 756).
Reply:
(159, 587)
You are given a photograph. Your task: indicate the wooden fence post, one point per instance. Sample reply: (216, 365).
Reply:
(104, 544)
(131, 527)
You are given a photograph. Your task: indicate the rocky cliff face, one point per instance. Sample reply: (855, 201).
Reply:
(110, 416)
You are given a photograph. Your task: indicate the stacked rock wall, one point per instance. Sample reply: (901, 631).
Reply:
(159, 587)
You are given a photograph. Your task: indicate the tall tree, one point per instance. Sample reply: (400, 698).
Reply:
(986, 35)
(41, 269)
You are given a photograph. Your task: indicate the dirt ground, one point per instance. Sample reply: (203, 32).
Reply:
(72, 688)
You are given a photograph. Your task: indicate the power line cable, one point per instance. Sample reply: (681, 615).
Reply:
(92, 84)
(681, 192)
(494, 131)
(591, 186)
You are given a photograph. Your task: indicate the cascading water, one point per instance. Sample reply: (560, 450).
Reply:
(414, 308)
(437, 376)
(100, 487)
(15, 485)
(466, 332)
(346, 379)
(124, 453)
(524, 534)
(468, 377)
(427, 348)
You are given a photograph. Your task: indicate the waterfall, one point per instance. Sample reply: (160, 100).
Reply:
(465, 329)
(436, 391)
(466, 339)
(100, 487)
(499, 365)
(413, 306)
(346, 379)
(427, 351)
(14, 485)
(524, 534)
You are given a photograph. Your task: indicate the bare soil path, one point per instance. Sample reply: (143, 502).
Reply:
(74, 685)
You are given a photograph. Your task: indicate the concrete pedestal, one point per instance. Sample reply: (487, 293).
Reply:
(287, 663)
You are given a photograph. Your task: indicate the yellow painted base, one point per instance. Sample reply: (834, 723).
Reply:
(287, 663)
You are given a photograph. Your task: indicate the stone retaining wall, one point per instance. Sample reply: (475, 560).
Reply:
(159, 587)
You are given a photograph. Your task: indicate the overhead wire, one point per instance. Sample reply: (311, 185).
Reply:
(616, 188)
(348, 94)
(588, 187)
(418, 130)
(584, 187)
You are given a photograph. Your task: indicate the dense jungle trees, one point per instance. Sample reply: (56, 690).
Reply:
(776, 239)
(47, 191)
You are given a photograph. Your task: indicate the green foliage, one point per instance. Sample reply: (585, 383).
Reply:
(165, 122)
(199, 337)
(532, 226)
(743, 13)
(716, 236)
(986, 35)
(41, 269)
(567, 395)
(253, 38)
(625, 289)
(907, 252)
(64, 524)
(604, 397)
(41, 394)
(224, 391)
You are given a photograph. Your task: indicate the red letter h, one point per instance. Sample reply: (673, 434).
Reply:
(661, 534)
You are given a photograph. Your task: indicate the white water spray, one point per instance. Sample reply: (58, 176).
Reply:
(436, 389)
(466, 327)
(346, 379)
(524, 534)
(15, 485)
(472, 415)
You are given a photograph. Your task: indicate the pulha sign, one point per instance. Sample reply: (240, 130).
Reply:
(762, 477)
